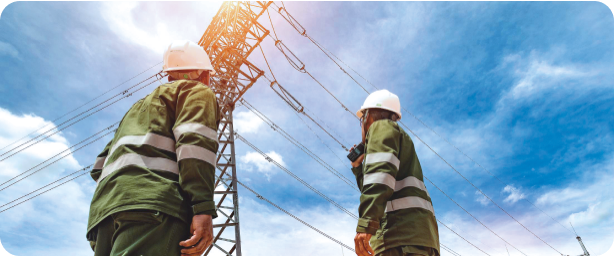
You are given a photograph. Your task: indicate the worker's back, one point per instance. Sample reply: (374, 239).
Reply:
(409, 217)
(162, 156)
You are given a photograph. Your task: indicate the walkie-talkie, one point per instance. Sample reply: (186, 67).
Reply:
(356, 152)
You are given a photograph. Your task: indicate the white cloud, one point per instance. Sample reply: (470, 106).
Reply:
(59, 216)
(268, 231)
(514, 194)
(586, 202)
(156, 25)
(542, 75)
(481, 198)
(8, 49)
(254, 161)
(247, 122)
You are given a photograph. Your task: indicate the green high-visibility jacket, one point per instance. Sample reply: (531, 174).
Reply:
(162, 156)
(395, 206)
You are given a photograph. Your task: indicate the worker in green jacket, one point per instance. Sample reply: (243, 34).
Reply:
(155, 178)
(396, 212)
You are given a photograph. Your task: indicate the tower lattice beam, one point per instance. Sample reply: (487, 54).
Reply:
(230, 38)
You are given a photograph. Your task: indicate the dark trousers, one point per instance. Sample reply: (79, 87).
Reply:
(139, 233)
(409, 251)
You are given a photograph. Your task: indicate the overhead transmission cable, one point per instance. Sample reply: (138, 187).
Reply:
(64, 156)
(125, 94)
(302, 147)
(322, 141)
(268, 158)
(457, 204)
(84, 170)
(294, 103)
(296, 218)
(440, 222)
(322, 195)
(302, 31)
(88, 102)
(297, 26)
(449, 250)
(479, 190)
(297, 64)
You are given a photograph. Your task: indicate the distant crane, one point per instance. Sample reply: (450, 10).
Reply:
(580, 241)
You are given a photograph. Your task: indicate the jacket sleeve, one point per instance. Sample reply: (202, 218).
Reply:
(381, 166)
(99, 164)
(195, 130)
(358, 173)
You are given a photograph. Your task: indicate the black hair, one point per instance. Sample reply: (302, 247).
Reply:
(200, 78)
(380, 114)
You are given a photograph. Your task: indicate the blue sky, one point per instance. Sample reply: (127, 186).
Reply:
(523, 88)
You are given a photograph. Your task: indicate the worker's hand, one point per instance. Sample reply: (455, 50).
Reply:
(202, 236)
(362, 246)
(358, 160)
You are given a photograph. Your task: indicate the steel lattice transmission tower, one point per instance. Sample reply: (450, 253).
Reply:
(230, 38)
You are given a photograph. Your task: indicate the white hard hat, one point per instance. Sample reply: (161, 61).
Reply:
(186, 55)
(382, 99)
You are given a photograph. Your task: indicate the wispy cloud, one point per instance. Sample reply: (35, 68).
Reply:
(514, 194)
(8, 50)
(58, 214)
(247, 122)
(481, 198)
(254, 161)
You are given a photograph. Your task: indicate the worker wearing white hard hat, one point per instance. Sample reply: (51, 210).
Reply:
(155, 178)
(396, 212)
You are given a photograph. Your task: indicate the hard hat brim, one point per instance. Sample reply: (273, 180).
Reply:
(359, 113)
(212, 71)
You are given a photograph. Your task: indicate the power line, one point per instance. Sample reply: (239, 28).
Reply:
(88, 102)
(89, 143)
(440, 190)
(293, 102)
(126, 95)
(322, 141)
(300, 109)
(296, 218)
(322, 195)
(48, 189)
(302, 147)
(449, 250)
(294, 23)
(80, 170)
(479, 190)
(297, 26)
(297, 64)
(302, 31)
(68, 149)
(294, 175)
(461, 236)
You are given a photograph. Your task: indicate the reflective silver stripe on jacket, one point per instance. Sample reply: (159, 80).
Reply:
(409, 202)
(99, 163)
(151, 139)
(156, 163)
(195, 128)
(379, 177)
(196, 152)
(410, 181)
(382, 157)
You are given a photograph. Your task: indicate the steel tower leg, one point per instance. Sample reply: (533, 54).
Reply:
(226, 184)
